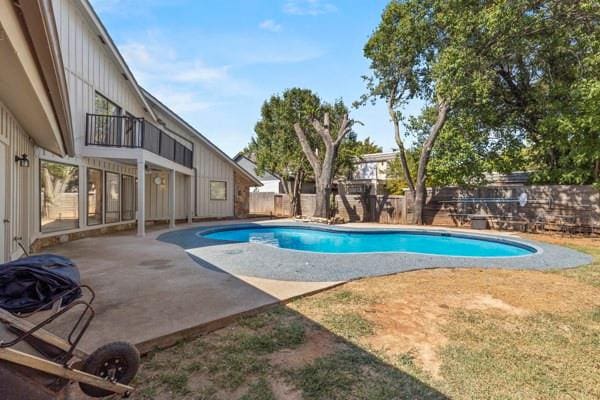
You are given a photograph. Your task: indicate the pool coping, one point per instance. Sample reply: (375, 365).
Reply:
(269, 262)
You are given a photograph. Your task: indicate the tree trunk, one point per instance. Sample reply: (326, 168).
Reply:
(400, 142)
(322, 202)
(293, 189)
(421, 186)
(323, 170)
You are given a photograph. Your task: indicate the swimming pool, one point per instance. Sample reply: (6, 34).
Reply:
(321, 240)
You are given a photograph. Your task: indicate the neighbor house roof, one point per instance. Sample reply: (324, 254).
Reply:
(266, 176)
(200, 136)
(376, 157)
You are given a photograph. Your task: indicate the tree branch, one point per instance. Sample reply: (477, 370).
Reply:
(344, 129)
(310, 154)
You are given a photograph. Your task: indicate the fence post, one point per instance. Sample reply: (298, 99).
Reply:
(405, 209)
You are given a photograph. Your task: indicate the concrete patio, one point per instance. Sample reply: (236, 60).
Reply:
(152, 293)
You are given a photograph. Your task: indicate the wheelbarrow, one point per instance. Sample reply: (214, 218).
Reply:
(106, 371)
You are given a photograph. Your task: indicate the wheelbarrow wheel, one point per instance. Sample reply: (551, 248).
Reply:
(116, 362)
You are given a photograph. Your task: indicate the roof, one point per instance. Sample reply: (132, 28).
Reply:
(198, 135)
(105, 37)
(43, 35)
(375, 157)
(266, 176)
(512, 178)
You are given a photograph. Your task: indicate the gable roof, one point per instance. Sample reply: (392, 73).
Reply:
(267, 176)
(200, 136)
(114, 51)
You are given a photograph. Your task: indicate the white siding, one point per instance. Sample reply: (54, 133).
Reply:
(209, 165)
(89, 67)
(19, 182)
(157, 196)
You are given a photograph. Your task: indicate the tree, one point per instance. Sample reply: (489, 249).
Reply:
(545, 85)
(324, 167)
(403, 50)
(275, 145)
(526, 68)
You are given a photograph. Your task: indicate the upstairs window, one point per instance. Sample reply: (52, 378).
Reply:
(104, 106)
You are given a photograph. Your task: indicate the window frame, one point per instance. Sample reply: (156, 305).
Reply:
(40, 183)
(210, 192)
(118, 107)
(87, 203)
(106, 197)
(133, 179)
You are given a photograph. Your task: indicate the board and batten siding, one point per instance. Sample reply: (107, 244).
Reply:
(89, 67)
(209, 166)
(212, 167)
(157, 196)
(19, 183)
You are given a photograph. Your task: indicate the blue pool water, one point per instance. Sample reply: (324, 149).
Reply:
(324, 241)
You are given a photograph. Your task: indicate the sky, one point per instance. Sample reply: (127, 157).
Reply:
(215, 62)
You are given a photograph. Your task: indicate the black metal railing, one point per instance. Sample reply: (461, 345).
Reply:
(126, 131)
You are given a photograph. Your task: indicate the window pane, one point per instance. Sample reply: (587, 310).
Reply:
(218, 190)
(128, 201)
(59, 196)
(113, 198)
(105, 106)
(94, 196)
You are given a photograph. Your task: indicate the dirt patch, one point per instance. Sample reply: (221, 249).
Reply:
(412, 308)
(283, 390)
(318, 343)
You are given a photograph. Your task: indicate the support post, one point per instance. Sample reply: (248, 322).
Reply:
(141, 197)
(190, 213)
(172, 199)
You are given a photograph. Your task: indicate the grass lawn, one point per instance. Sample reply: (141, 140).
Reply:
(460, 334)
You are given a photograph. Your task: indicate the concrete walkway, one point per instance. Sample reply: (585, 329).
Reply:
(152, 293)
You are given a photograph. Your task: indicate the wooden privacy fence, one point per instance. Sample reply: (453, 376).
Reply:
(351, 208)
(444, 206)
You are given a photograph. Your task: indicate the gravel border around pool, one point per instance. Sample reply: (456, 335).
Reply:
(263, 261)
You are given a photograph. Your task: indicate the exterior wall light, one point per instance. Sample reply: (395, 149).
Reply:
(22, 160)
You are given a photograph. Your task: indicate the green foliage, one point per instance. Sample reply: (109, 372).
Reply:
(396, 183)
(522, 78)
(275, 145)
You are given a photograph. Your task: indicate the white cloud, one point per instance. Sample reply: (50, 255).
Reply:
(308, 7)
(270, 25)
(163, 64)
(182, 101)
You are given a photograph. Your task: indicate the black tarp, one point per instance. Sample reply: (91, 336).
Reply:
(28, 283)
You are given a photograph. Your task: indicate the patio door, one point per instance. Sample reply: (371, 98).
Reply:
(3, 196)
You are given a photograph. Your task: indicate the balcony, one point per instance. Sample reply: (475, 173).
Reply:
(138, 133)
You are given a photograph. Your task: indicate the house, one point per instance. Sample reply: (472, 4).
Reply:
(371, 171)
(270, 181)
(83, 148)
